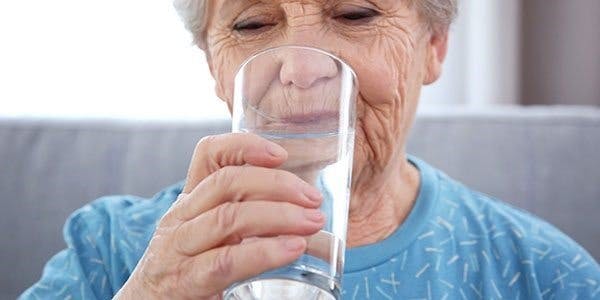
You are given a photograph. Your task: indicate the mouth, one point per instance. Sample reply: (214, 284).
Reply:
(318, 117)
(314, 122)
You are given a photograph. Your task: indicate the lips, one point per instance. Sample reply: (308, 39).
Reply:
(312, 117)
(314, 122)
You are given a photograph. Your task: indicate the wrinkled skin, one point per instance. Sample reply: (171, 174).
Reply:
(393, 53)
(256, 225)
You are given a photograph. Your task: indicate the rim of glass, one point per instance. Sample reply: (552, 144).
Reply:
(322, 51)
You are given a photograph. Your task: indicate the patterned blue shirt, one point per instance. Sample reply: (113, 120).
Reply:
(455, 244)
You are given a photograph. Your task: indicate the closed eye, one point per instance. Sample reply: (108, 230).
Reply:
(357, 16)
(251, 26)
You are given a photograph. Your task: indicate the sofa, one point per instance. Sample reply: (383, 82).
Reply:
(542, 159)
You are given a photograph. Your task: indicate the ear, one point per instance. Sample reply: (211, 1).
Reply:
(436, 49)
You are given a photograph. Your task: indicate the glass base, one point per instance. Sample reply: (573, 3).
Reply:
(316, 275)
(277, 289)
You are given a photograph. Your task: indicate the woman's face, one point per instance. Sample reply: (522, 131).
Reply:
(384, 41)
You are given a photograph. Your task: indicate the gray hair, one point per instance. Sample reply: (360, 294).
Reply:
(438, 15)
(192, 14)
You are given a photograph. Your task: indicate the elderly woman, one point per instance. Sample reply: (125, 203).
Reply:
(413, 232)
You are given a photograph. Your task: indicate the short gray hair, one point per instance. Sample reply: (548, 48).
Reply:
(438, 15)
(192, 14)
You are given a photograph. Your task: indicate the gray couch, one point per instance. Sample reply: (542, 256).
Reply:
(545, 160)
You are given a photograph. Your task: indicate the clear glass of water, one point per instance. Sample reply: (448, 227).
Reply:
(303, 99)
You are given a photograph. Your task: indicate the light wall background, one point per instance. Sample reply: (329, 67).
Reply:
(561, 52)
(482, 66)
(133, 59)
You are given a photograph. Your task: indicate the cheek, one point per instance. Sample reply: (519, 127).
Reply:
(384, 71)
(260, 74)
(223, 72)
(225, 59)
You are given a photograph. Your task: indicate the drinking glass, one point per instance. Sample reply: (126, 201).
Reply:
(303, 99)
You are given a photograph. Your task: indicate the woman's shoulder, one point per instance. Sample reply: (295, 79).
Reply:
(128, 207)
(104, 240)
(471, 215)
(118, 227)
(521, 243)
(486, 216)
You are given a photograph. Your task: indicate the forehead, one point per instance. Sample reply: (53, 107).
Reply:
(383, 4)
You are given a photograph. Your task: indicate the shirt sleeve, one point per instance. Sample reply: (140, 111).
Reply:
(80, 271)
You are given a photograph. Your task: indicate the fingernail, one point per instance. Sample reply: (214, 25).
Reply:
(294, 243)
(314, 215)
(275, 150)
(312, 193)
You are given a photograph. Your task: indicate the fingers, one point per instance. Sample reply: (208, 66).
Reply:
(247, 183)
(218, 268)
(233, 149)
(232, 222)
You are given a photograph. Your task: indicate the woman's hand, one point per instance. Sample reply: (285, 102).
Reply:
(236, 218)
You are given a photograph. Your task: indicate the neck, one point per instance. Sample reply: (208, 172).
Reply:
(381, 202)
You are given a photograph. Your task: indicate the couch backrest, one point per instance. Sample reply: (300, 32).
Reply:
(545, 160)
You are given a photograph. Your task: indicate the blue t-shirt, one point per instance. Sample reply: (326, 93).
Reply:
(455, 244)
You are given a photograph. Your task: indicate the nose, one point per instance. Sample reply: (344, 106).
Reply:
(304, 68)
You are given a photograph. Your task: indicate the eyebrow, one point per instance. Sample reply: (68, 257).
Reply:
(228, 5)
